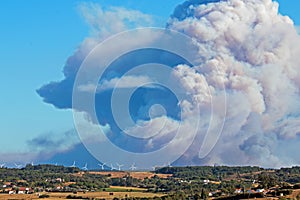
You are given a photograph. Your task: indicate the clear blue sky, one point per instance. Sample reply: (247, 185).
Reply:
(36, 38)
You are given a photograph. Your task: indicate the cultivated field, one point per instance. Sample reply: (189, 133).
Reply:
(100, 195)
(137, 175)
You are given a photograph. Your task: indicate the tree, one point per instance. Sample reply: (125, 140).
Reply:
(204, 194)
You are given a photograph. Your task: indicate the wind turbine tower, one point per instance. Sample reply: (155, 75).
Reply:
(85, 167)
(119, 166)
(102, 166)
(74, 164)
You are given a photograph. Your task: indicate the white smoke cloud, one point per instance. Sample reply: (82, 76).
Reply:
(123, 82)
(103, 24)
(252, 49)
(193, 84)
(244, 45)
(112, 20)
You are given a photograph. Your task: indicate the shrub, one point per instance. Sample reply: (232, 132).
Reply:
(44, 196)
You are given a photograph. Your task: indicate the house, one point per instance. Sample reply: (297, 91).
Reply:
(8, 190)
(59, 187)
(11, 192)
(206, 181)
(251, 191)
(59, 180)
(238, 191)
(260, 190)
(24, 190)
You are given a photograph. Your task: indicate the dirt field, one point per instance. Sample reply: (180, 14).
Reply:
(18, 196)
(127, 188)
(105, 195)
(137, 175)
(292, 196)
(295, 194)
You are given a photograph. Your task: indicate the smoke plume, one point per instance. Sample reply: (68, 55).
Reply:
(244, 45)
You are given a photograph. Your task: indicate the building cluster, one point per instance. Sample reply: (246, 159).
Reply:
(11, 188)
(18, 187)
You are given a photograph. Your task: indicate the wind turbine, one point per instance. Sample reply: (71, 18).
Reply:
(132, 167)
(112, 167)
(102, 166)
(2, 165)
(74, 164)
(18, 166)
(85, 167)
(119, 166)
(168, 164)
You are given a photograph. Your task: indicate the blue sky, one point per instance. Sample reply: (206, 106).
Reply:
(290, 8)
(36, 38)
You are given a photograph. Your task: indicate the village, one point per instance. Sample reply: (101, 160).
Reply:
(44, 181)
